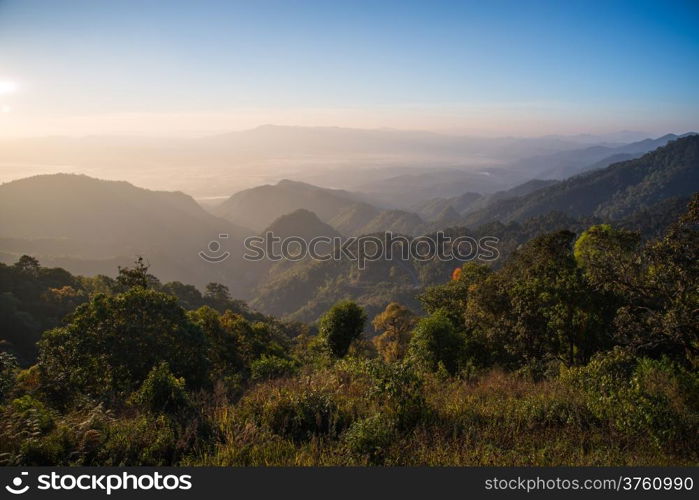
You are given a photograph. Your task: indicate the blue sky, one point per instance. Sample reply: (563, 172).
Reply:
(496, 67)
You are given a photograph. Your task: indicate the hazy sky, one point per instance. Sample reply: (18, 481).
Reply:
(485, 67)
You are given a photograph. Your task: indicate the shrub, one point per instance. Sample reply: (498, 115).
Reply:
(341, 325)
(398, 390)
(271, 367)
(370, 437)
(436, 341)
(641, 397)
(162, 392)
(300, 416)
(142, 441)
(8, 367)
(33, 412)
(605, 374)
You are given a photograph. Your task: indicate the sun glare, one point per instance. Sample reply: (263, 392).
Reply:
(8, 86)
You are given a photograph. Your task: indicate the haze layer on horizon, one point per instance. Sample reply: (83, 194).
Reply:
(485, 68)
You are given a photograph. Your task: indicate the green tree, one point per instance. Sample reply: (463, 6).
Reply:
(27, 264)
(136, 276)
(341, 325)
(253, 339)
(539, 307)
(654, 286)
(609, 257)
(662, 313)
(111, 343)
(452, 297)
(217, 291)
(188, 296)
(436, 342)
(223, 351)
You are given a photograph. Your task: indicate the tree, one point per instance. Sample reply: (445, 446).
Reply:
(662, 313)
(609, 257)
(33, 299)
(654, 286)
(219, 297)
(452, 297)
(217, 291)
(110, 345)
(436, 342)
(395, 323)
(223, 350)
(539, 307)
(136, 276)
(188, 296)
(341, 325)
(27, 264)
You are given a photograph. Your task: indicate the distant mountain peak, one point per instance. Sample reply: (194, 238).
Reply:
(302, 223)
(612, 192)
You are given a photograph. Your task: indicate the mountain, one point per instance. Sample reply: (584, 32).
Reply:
(347, 212)
(395, 221)
(260, 206)
(644, 194)
(353, 219)
(439, 210)
(434, 208)
(611, 193)
(91, 226)
(278, 140)
(564, 164)
(304, 290)
(218, 165)
(407, 190)
(300, 223)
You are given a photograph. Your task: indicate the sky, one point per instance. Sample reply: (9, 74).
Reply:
(85, 67)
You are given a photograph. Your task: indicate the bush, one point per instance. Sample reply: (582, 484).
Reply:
(144, 441)
(370, 437)
(162, 392)
(398, 390)
(341, 325)
(605, 374)
(436, 341)
(35, 413)
(641, 397)
(300, 416)
(8, 368)
(110, 344)
(271, 367)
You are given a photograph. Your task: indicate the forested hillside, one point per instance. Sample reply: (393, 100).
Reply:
(303, 290)
(613, 192)
(579, 350)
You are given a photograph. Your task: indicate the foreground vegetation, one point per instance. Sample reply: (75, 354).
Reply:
(579, 350)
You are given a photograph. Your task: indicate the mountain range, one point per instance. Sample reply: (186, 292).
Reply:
(564, 164)
(219, 165)
(613, 192)
(645, 194)
(91, 226)
(349, 213)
